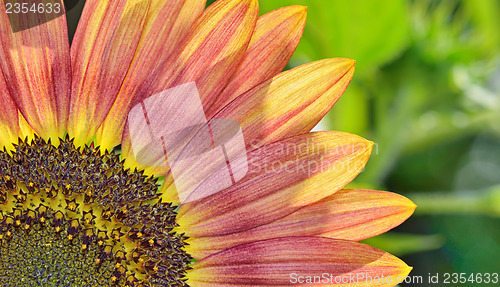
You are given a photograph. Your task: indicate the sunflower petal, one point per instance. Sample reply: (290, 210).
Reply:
(26, 130)
(166, 27)
(212, 51)
(347, 214)
(214, 48)
(103, 48)
(299, 260)
(36, 67)
(276, 36)
(9, 121)
(282, 177)
(309, 92)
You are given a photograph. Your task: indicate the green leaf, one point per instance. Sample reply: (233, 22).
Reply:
(351, 112)
(370, 32)
(401, 244)
(484, 16)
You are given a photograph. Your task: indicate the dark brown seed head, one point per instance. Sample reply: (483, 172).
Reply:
(75, 217)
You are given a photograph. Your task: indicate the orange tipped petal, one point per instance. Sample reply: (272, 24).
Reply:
(297, 261)
(276, 36)
(291, 103)
(359, 214)
(214, 48)
(36, 68)
(282, 177)
(103, 48)
(166, 27)
(347, 214)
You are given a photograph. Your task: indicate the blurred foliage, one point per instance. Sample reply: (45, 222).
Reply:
(401, 244)
(327, 35)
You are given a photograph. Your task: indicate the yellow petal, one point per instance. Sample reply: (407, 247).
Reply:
(291, 103)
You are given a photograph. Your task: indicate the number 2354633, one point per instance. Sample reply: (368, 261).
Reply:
(25, 8)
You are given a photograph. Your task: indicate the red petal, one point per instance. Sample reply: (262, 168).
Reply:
(296, 260)
(36, 66)
(347, 214)
(282, 177)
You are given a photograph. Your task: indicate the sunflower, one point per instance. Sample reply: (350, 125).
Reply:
(79, 207)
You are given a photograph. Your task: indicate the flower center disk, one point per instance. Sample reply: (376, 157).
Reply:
(75, 217)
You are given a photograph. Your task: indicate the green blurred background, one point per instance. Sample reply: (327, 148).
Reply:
(427, 91)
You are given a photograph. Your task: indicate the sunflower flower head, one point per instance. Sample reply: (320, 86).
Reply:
(165, 147)
(75, 215)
